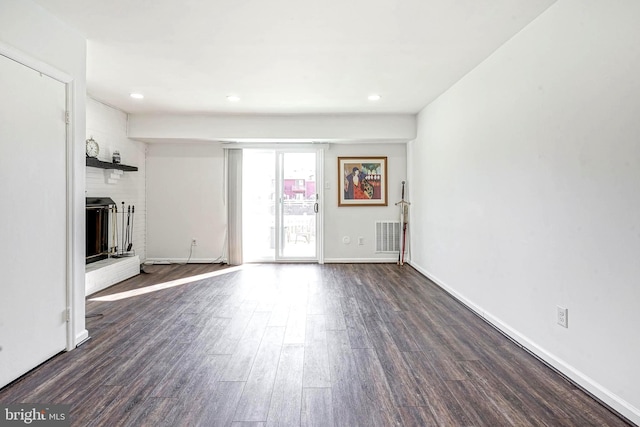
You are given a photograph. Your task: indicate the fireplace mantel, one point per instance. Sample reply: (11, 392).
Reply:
(95, 163)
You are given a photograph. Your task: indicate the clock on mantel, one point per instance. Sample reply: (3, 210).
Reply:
(92, 148)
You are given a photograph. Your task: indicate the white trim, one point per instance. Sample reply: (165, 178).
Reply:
(70, 191)
(321, 201)
(42, 67)
(279, 204)
(82, 336)
(609, 398)
(275, 145)
(33, 63)
(393, 260)
(160, 261)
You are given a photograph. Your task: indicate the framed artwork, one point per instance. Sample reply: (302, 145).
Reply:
(362, 181)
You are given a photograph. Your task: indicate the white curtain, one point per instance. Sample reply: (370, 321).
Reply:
(234, 204)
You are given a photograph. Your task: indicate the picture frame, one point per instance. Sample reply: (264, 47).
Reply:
(362, 181)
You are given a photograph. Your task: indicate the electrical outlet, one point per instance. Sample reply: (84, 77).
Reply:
(194, 242)
(563, 316)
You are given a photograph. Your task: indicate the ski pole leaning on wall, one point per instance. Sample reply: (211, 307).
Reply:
(404, 220)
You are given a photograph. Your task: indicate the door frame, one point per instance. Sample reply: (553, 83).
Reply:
(69, 83)
(319, 150)
(319, 153)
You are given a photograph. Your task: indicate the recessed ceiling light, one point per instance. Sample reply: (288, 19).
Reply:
(136, 95)
(374, 97)
(233, 98)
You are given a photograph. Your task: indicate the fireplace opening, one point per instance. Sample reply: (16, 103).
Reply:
(98, 211)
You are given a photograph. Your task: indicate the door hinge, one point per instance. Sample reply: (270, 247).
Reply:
(67, 117)
(67, 315)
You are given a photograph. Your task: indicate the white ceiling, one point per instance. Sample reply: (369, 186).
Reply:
(286, 56)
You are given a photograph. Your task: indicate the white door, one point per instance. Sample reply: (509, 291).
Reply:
(33, 200)
(281, 205)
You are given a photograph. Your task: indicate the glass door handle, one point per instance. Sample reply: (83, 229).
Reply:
(315, 207)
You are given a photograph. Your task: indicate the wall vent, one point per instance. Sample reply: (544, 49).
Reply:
(388, 236)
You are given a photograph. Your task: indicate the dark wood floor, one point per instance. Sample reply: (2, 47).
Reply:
(311, 345)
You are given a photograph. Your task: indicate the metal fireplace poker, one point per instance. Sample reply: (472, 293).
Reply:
(126, 248)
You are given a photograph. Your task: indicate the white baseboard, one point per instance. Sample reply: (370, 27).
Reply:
(81, 337)
(360, 260)
(614, 401)
(151, 261)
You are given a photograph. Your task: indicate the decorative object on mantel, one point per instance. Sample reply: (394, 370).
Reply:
(92, 148)
(116, 157)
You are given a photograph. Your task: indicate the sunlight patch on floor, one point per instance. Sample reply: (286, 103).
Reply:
(166, 285)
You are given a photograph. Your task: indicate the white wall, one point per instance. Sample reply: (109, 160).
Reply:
(185, 200)
(359, 221)
(108, 126)
(525, 188)
(29, 30)
(187, 169)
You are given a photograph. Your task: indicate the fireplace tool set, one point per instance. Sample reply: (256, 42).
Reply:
(124, 249)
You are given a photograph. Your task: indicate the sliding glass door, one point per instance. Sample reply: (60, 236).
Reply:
(281, 205)
(298, 203)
